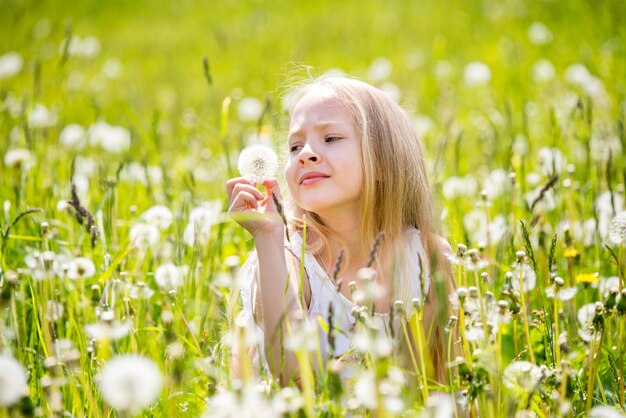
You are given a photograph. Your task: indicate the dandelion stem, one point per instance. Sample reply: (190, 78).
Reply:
(524, 316)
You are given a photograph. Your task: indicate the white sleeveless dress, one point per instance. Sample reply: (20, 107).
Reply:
(408, 285)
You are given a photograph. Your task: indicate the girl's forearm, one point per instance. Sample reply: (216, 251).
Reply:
(280, 305)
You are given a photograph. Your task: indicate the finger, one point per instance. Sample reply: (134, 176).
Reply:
(272, 187)
(243, 201)
(248, 189)
(230, 184)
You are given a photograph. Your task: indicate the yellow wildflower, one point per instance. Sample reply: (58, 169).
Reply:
(571, 252)
(587, 278)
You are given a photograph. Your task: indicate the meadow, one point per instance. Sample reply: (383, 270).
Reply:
(120, 123)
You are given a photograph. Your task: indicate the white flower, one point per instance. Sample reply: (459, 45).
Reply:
(617, 229)
(257, 161)
(19, 157)
(521, 377)
(73, 136)
(380, 69)
(158, 215)
(113, 139)
(606, 284)
(130, 383)
(455, 187)
(13, 381)
(539, 34)
(144, 235)
(476, 74)
(440, 405)
(586, 313)
(551, 161)
(201, 221)
(475, 223)
(604, 210)
(250, 109)
(577, 74)
(10, 64)
(84, 166)
(542, 71)
(365, 390)
(81, 268)
(288, 401)
(495, 183)
(108, 331)
(603, 411)
(528, 276)
(168, 276)
(41, 117)
(250, 403)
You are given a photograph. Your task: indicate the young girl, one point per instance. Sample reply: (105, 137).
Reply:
(355, 168)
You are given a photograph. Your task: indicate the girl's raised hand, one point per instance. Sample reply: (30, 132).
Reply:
(252, 209)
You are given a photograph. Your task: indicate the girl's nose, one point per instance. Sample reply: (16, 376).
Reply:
(307, 154)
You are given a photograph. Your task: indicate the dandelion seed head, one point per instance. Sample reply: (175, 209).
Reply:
(250, 109)
(543, 71)
(41, 117)
(168, 276)
(529, 278)
(19, 158)
(158, 215)
(11, 64)
(539, 34)
(13, 381)
(113, 139)
(143, 235)
(201, 221)
(257, 161)
(81, 268)
(476, 74)
(604, 411)
(617, 229)
(130, 383)
(521, 376)
(73, 136)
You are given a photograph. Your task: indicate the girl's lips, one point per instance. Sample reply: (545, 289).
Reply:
(312, 180)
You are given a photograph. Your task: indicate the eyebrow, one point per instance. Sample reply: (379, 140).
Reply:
(318, 125)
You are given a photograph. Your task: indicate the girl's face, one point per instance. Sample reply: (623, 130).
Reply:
(324, 169)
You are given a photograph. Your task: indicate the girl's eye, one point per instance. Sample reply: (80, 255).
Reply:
(293, 148)
(332, 139)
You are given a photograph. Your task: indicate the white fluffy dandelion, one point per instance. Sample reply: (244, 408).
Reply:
(10, 64)
(130, 383)
(617, 229)
(168, 276)
(539, 34)
(521, 376)
(113, 139)
(529, 278)
(250, 109)
(476, 74)
(41, 117)
(13, 382)
(81, 268)
(73, 136)
(19, 158)
(201, 221)
(158, 215)
(143, 235)
(257, 161)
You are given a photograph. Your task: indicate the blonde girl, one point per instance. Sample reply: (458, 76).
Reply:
(355, 168)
